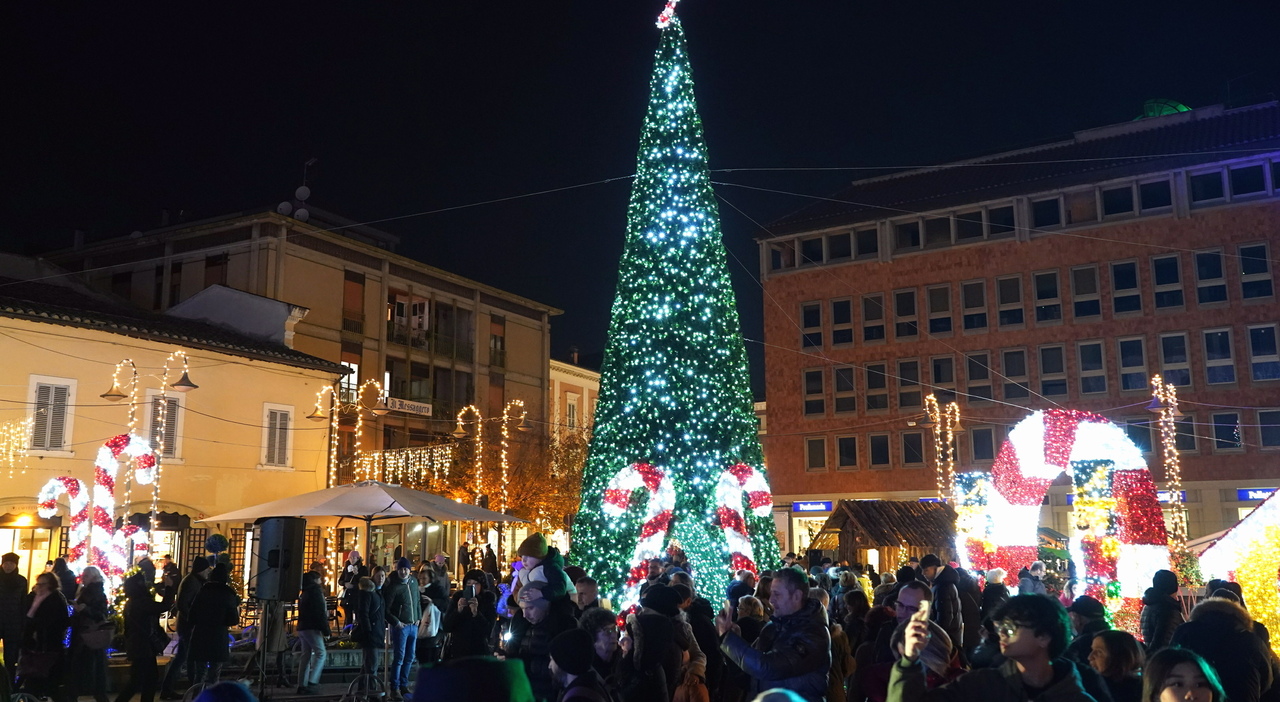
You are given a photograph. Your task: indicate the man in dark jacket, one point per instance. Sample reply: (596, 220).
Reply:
(186, 594)
(794, 648)
(702, 620)
(313, 629)
(404, 611)
(1221, 631)
(13, 587)
(743, 584)
(215, 609)
(571, 654)
(942, 580)
(1161, 611)
(1088, 618)
(531, 637)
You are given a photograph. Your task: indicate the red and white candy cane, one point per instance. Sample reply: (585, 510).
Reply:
(668, 13)
(78, 501)
(112, 549)
(738, 480)
(657, 516)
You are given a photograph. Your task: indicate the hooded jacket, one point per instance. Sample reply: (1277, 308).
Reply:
(1161, 614)
(793, 651)
(1221, 631)
(946, 603)
(1003, 684)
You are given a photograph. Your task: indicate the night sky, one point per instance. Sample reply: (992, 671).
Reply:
(116, 112)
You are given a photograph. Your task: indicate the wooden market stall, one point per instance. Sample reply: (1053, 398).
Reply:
(895, 530)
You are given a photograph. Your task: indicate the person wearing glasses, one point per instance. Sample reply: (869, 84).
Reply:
(1033, 633)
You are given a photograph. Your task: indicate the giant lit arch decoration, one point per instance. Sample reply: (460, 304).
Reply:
(1118, 538)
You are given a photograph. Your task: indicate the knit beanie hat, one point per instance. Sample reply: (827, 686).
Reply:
(535, 546)
(199, 564)
(404, 563)
(1165, 581)
(9, 557)
(572, 651)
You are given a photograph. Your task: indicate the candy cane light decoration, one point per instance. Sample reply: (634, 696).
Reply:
(657, 516)
(738, 481)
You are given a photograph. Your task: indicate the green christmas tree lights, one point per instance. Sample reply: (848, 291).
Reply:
(674, 455)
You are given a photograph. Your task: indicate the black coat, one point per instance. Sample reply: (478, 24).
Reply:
(1222, 633)
(13, 587)
(1161, 614)
(793, 652)
(371, 619)
(946, 603)
(313, 613)
(141, 618)
(67, 581)
(970, 609)
(993, 596)
(214, 611)
(187, 591)
(531, 643)
(351, 575)
(702, 621)
(640, 675)
(1078, 650)
(471, 634)
(49, 629)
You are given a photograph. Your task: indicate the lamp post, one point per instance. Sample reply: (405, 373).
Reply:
(1164, 404)
(944, 423)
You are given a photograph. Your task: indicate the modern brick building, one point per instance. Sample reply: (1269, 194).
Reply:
(1063, 275)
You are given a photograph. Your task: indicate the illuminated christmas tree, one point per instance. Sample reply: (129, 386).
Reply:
(674, 457)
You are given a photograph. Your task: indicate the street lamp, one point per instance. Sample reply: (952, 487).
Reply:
(1164, 404)
(944, 422)
(358, 407)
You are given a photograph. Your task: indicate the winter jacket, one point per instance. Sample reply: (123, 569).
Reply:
(13, 587)
(67, 581)
(1221, 631)
(970, 610)
(490, 562)
(1031, 585)
(793, 651)
(404, 602)
(371, 619)
(548, 575)
(946, 603)
(349, 581)
(141, 618)
(589, 687)
(1003, 684)
(702, 621)
(640, 675)
(993, 596)
(737, 590)
(471, 632)
(841, 664)
(214, 611)
(1078, 650)
(187, 591)
(1161, 614)
(531, 643)
(49, 629)
(313, 612)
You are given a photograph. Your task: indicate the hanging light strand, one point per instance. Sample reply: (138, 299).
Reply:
(1167, 396)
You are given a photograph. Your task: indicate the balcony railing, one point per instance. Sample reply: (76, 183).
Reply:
(498, 358)
(436, 343)
(353, 321)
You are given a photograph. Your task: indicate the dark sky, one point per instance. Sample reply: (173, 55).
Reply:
(117, 110)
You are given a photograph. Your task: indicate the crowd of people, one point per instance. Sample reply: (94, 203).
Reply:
(824, 632)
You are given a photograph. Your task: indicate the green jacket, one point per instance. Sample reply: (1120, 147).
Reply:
(1003, 684)
(404, 604)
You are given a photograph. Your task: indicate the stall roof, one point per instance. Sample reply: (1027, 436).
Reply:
(888, 523)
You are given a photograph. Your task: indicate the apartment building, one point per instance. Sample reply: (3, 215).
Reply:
(1064, 275)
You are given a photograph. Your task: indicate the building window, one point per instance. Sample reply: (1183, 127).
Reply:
(1133, 364)
(164, 427)
(1048, 302)
(1211, 285)
(873, 317)
(867, 242)
(904, 315)
(1264, 363)
(973, 296)
(1175, 362)
(1226, 431)
(811, 321)
(1046, 213)
(1248, 180)
(1206, 187)
(1009, 298)
(1125, 295)
(349, 384)
(1269, 428)
(1255, 272)
(846, 452)
(782, 255)
(978, 376)
(51, 401)
(1085, 299)
(983, 443)
(943, 375)
(1093, 369)
(968, 226)
(912, 448)
(814, 395)
(810, 251)
(1139, 431)
(1156, 195)
(846, 397)
(939, 298)
(877, 387)
(277, 438)
(1219, 366)
(842, 322)
(1167, 275)
(1184, 436)
(571, 411)
(1000, 222)
(937, 232)
(1081, 206)
(909, 384)
(1117, 201)
(815, 453)
(1014, 362)
(879, 450)
(906, 236)
(1053, 371)
(839, 247)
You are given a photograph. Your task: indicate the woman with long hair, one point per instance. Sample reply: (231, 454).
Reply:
(1174, 674)
(1117, 657)
(91, 610)
(764, 587)
(46, 634)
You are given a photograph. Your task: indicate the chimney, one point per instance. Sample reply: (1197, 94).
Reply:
(573, 355)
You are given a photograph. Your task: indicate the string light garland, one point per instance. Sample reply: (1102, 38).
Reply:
(477, 438)
(1166, 394)
(674, 390)
(945, 424)
(15, 438)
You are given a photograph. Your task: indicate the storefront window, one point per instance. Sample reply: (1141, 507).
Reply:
(32, 546)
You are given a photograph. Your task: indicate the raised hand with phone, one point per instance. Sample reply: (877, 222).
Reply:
(917, 633)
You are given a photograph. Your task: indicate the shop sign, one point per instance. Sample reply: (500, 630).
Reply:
(811, 506)
(1167, 496)
(395, 404)
(1252, 494)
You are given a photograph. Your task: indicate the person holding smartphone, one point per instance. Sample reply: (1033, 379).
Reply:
(471, 616)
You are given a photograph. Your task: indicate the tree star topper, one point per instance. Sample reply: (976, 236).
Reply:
(668, 13)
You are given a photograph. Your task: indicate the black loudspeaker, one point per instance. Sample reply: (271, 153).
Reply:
(277, 558)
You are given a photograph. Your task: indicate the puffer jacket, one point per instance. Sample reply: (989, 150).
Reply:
(994, 595)
(640, 675)
(1003, 684)
(1161, 614)
(970, 610)
(946, 603)
(548, 575)
(1221, 631)
(404, 602)
(313, 612)
(793, 652)
(1031, 585)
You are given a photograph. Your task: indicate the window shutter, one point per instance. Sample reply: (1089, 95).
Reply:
(167, 438)
(273, 427)
(277, 438)
(40, 427)
(50, 417)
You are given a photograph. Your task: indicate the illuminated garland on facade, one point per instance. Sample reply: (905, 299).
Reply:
(674, 386)
(15, 439)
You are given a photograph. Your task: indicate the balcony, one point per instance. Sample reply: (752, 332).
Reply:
(498, 358)
(353, 321)
(434, 342)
